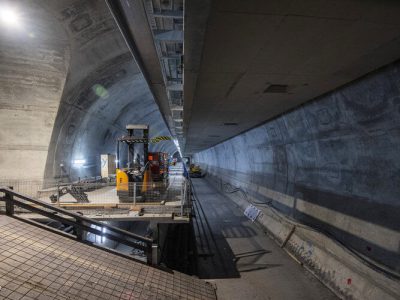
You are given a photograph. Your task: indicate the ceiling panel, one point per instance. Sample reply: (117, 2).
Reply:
(312, 46)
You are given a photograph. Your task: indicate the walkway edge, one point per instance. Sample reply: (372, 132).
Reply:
(337, 268)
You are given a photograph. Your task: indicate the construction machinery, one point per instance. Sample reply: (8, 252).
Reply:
(135, 170)
(138, 177)
(76, 190)
(158, 162)
(195, 171)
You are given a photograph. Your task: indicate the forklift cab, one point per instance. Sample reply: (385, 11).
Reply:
(134, 171)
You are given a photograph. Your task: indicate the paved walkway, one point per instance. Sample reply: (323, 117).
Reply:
(245, 263)
(38, 264)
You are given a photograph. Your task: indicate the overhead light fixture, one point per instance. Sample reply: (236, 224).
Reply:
(176, 142)
(230, 124)
(77, 163)
(9, 16)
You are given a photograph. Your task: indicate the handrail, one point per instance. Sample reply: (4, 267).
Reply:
(80, 223)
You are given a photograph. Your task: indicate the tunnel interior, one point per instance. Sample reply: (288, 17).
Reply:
(291, 111)
(331, 163)
(70, 88)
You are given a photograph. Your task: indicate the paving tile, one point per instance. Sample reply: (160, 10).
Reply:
(37, 264)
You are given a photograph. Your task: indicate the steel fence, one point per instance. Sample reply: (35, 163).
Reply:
(81, 224)
(171, 192)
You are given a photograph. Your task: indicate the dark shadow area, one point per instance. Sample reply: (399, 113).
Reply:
(251, 253)
(214, 222)
(247, 261)
(375, 212)
(243, 268)
(178, 252)
(364, 209)
(215, 258)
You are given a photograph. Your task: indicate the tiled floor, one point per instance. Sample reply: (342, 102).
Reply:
(38, 264)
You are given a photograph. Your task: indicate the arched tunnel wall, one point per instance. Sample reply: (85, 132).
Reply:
(34, 60)
(89, 122)
(332, 164)
(104, 91)
(68, 87)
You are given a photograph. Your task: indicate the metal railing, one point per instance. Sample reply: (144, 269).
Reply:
(81, 224)
(37, 188)
(138, 192)
(166, 194)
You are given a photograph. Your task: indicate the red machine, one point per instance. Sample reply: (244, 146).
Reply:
(158, 165)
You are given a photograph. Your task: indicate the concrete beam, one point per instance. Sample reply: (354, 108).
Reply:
(177, 107)
(179, 80)
(174, 14)
(175, 87)
(132, 20)
(177, 56)
(168, 35)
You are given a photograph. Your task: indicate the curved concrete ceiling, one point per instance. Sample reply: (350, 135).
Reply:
(104, 91)
(85, 87)
(249, 61)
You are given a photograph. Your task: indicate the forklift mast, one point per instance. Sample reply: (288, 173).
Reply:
(126, 176)
(131, 140)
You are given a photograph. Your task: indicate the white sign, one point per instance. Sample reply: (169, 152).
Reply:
(107, 165)
(252, 212)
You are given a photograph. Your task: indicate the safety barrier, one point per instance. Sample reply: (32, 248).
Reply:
(82, 225)
(102, 191)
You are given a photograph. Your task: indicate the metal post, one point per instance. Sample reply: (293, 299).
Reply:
(189, 193)
(146, 146)
(80, 234)
(134, 194)
(9, 204)
(58, 193)
(149, 253)
(183, 196)
(117, 157)
(154, 254)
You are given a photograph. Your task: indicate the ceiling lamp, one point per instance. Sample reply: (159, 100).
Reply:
(9, 16)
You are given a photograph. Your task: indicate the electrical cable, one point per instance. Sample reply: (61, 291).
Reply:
(312, 227)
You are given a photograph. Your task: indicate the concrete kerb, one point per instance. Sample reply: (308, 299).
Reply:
(335, 266)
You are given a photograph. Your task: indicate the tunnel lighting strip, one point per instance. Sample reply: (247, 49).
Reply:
(77, 163)
(168, 62)
(122, 24)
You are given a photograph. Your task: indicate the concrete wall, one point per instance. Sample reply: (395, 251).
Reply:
(104, 91)
(34, 58)
(332, 164)
(68, 87)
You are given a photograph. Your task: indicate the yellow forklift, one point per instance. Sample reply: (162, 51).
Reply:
(135, 170)
(144, 174)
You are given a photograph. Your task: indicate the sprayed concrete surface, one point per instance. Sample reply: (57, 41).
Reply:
(68, 87)
(332, 165)
(245, 261)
